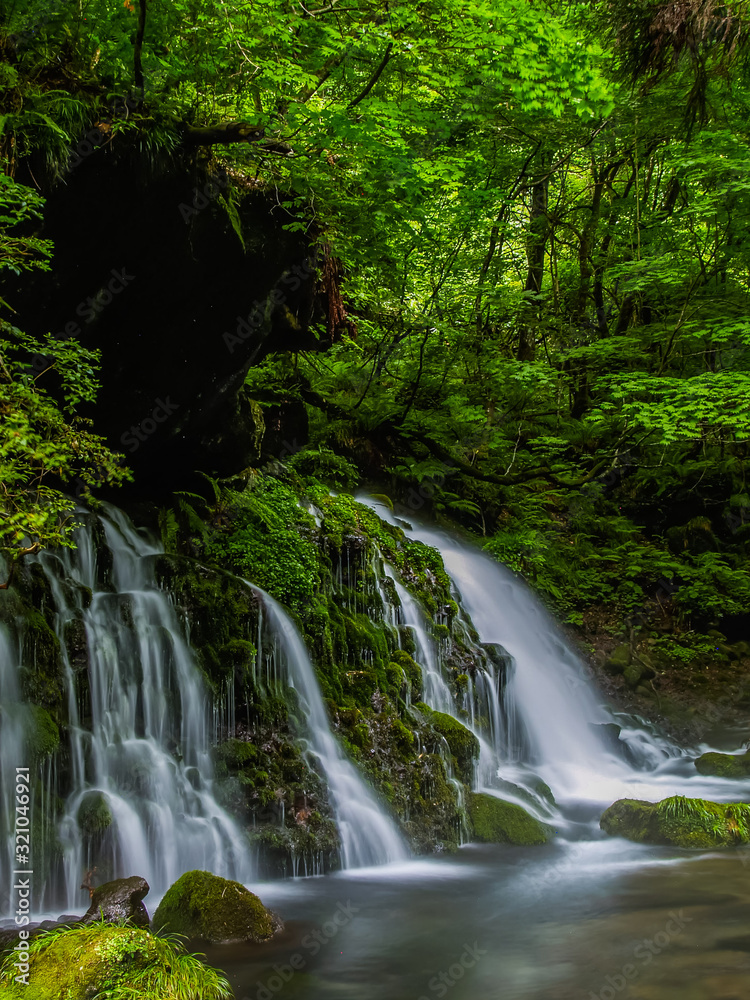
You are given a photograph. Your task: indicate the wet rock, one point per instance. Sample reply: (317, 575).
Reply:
(119, 901)
(218, 910)
(679, 822)
(725, 765)
(498, 822)
(610, 734)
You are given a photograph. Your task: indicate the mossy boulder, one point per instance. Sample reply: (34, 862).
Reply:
(725, 765)
(119, 962)
(218, 910)
(94, 815)
(679, 822)
(463, 744)
(618, 660)
(498, 822)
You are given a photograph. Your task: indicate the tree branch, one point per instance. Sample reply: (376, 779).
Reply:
(214, 135)
(373, 79)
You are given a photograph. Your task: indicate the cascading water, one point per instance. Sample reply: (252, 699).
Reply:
(12, 755)
(141, 773)
(368, 837)
(552, 718)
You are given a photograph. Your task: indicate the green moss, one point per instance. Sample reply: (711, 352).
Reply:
(401, 737)
(679, 821)
(42, 734)
(725, 765)
(412, 670)
(619, 659)
(237, 753)
(116, 962)
(41, 673)
(499, 822)
(202, 905)
(94, 814)
(463, 744)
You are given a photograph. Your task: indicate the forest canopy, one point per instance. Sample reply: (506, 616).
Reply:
(538, 212)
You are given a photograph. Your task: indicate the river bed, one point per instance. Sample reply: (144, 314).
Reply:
(567, 921)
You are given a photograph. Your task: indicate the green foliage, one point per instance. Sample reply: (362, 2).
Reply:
(111, 963)
(43, 442)
(255, 534)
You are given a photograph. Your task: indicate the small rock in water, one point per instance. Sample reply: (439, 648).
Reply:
(119, 900)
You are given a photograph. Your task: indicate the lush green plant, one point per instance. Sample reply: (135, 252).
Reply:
(110, 962)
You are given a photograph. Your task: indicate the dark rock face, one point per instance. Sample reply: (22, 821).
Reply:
(119, 900)
(183, 278)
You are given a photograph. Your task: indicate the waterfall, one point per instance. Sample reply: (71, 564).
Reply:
(12, 755)
(141, 773)
(368, 837)
(550, 715)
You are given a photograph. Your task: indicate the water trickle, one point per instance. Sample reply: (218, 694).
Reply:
(368, 836)
(141, 759)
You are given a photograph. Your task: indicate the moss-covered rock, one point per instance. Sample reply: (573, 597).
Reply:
(42, 734)
(498, 822)
(725, 765)
(618, 660)
(463, 744)
(202, 905)
(94, 815)
(679, 822)
(119, 962)
(412, 671)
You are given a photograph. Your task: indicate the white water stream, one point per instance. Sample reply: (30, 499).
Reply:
(139, 745)
(553, 715)
(368, 836)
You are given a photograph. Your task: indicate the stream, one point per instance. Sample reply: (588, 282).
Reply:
(567, 921)
(584, 916)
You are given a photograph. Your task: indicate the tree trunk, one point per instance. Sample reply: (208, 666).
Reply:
(536, 246)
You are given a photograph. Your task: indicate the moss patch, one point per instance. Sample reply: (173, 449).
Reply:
(202, 905)
(679, 822)
(499, 822)
(464, 745)
(118, 963)
(42, 734)
(725, 765)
